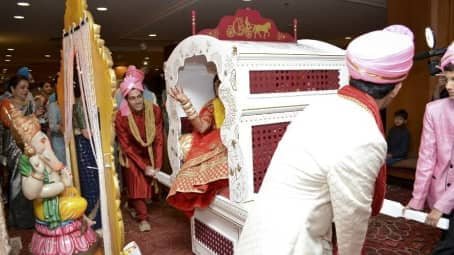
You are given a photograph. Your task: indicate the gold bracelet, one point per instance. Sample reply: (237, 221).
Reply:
(191, 113)
(192, 116)
(188, 101)
(187, 106)
(37, 176)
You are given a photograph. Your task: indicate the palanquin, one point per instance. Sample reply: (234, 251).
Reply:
(266, 80)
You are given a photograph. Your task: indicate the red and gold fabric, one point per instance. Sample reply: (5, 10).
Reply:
(205, 171)
(137, 185)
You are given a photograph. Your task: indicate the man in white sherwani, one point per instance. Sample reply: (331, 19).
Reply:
(329, 165)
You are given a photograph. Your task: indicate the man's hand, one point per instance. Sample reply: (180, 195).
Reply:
(86, 133)
(442, 80)
(149, 171)
(40, 111)
(433, 217)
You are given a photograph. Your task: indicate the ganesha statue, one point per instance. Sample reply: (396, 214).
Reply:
(61, 226)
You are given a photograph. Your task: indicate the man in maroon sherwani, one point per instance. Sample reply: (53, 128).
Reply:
(138, 125)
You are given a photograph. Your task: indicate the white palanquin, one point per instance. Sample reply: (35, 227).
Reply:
(215, 230)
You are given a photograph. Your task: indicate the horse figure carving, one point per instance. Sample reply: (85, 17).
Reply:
(262, 30)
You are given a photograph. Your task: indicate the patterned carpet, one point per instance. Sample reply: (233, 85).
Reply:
(390, 236)
(170, 232)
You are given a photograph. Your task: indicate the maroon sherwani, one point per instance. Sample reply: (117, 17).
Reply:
(137, 184)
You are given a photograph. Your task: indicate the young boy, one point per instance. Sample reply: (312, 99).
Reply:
(398, 138)
(434, 179)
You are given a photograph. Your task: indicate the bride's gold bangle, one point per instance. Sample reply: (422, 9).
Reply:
(193, 115)
(187, 106)
(190, 111)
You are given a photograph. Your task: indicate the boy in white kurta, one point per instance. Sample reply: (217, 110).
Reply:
(326, 166)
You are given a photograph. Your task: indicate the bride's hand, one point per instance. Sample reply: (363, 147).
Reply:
(177, 93)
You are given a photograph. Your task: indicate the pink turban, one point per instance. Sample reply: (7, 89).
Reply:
(448, 57)
(133, 80)
(382, 56)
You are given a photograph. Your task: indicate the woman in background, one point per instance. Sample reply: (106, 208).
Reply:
(20, 209)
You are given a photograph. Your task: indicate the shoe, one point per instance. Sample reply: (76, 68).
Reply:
(131, 211)
(144, 226)
(99, 232)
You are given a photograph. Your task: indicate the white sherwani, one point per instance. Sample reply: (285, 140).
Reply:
(323, 170)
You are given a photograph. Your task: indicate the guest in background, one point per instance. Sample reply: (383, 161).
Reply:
(398, 138)
(56, 130)
(86, 162)
(20, 208)
(25, 72)
(47, 89)
(41, 112)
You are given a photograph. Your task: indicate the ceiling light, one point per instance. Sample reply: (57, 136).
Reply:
(30, 70)
(102, 9)
(5, 70)
(348, 38)
(10, 49)
(246, 0)
(8, 56)
(18, 17)
(23, 3)
(152, 35)
(47, 56)
(147, 58)
(145, 63)
(156, 69)
(7, 60)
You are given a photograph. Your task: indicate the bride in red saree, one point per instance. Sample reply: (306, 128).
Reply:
(204, 172)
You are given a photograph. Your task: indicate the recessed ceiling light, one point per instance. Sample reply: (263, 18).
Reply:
(18, 17)
(7, 60)
(47, 56)
(8, 56)
(102, 9)
(152, 35)
(145, 63)
(246, 0)
(30, 70)
(23, 3)
(10, 49)
(156, 69)
(5, 70)
(147, 58)
(348, 38)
